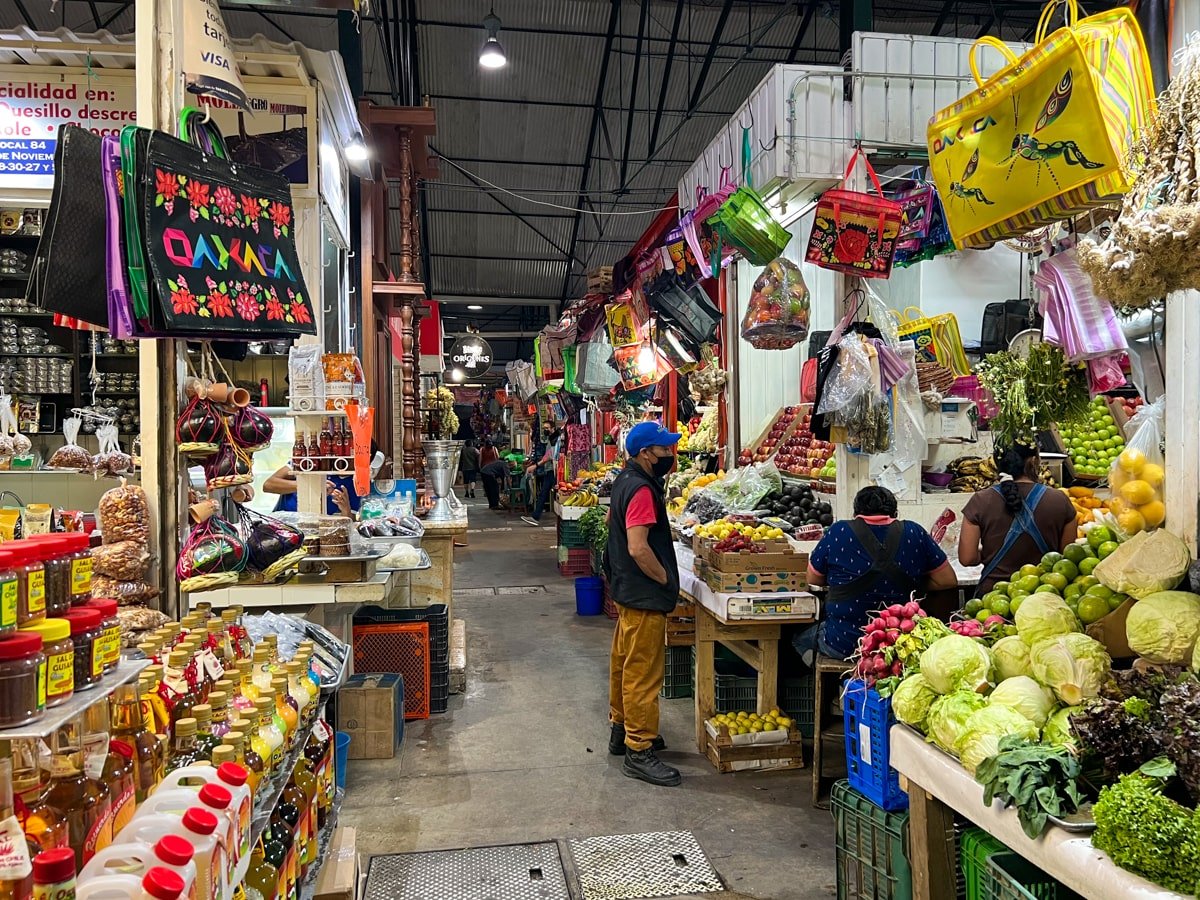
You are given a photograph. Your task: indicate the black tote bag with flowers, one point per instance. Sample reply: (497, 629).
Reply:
(220, 241)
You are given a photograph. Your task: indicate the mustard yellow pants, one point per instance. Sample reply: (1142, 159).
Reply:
(636, 674)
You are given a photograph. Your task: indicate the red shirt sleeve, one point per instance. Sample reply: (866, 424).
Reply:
(641, 509)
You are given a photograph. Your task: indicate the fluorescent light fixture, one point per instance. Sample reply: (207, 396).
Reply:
(491, 54)
(356, 150)
(474, 307)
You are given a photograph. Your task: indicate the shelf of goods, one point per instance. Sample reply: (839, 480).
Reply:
(1067, 856)
(127, 670)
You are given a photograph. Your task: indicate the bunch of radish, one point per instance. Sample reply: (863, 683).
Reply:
(991, 629)
(879, 655)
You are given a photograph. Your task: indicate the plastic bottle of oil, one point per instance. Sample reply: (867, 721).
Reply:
(86, 802)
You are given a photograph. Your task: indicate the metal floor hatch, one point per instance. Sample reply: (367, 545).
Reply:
(512, 872)
(642, 866)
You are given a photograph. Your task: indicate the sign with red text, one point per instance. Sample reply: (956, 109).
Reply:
(32, 107)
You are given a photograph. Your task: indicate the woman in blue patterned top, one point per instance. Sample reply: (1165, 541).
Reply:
(867, 563)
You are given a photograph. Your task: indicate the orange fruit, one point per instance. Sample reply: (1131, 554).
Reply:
(1153, 512)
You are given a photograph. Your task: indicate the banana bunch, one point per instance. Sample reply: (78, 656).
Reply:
(581, 498)
(967, 466)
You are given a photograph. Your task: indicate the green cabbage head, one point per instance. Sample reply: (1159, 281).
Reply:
(1043, 616)
(1072, 665)
(956, 662)
(984, 729)
(1026, 696)
(1010, 657)
(1163, 627)
(1058, 731)
(911, 700)
(948, 717)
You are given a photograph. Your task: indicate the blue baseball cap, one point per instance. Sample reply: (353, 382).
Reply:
(649, 434)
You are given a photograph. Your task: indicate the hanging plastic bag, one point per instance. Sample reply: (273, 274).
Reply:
(110, 460)
(124, 515)
(361, 420)
(850, 378)
(778, 314)
(1136, 476)
(70, 455)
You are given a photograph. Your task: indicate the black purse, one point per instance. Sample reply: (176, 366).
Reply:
(68, 274)
(689, 310)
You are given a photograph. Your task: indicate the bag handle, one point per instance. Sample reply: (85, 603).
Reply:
(1070, 17)
(196, 127)
(920, 314)
(995, 43)
(870, 170)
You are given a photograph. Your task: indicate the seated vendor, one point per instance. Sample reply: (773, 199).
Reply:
(868, 563)
(340, 496)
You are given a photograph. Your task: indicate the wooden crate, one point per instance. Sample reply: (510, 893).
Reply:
(1073, 476)
(752, 582)
(762, 435)
(600, 280)
(728, 754)
(681, 625)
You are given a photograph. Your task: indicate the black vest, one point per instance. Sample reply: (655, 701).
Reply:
(630, 586)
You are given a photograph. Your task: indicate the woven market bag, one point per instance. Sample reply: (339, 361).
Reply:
(1048, 136)
(855, 232)
(937, 339)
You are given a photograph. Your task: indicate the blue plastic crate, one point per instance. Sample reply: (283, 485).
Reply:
(868, 753)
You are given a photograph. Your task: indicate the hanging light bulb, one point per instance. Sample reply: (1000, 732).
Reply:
(491, 54)
(646, 362)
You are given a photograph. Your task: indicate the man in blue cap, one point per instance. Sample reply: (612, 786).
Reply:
(642, 571)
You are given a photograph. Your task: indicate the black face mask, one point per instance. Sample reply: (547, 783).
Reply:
(662, 465)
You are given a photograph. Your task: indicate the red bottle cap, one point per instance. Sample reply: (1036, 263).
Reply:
(82, 619)
(174, 850)
(232, 773)
(19, 646)
(200, 820)
(215, 795)
(8, 559)
(54, 866)
(121, 748)
(106, 608)
(162, 883)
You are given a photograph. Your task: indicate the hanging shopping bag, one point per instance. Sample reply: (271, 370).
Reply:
(67, 273)
(854, 232)
(935, 242)
(690, 310)
(916, 204)
(745, 222)
(937, 339)
(217, 237)
(120, 307)
(1048, 136)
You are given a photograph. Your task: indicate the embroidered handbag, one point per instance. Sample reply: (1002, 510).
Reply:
(215, 238)
(854, 232)
(1048, 136)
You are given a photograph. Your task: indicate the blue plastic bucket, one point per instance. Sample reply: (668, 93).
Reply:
(341, 755)
(589, 596)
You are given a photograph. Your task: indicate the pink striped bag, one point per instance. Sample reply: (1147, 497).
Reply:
(1078, 320)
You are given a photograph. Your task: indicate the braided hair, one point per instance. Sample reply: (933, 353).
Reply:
(1016, 461)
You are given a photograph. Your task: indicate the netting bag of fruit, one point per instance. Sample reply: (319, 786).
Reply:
(778, 313)
(1136, 476)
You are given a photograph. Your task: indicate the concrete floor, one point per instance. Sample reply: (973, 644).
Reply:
(521, 755)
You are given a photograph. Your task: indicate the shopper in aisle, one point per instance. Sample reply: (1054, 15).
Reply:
(868, 563)
(543, 472)
(1015, 523)
(641, 567)
(487, 453)
(494, 476)
(469, 464)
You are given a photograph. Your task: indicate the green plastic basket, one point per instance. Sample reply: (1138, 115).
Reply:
(975, 848)
(869, 848)
(1008, 876)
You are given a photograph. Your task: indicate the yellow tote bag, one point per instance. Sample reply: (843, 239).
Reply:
(1048, 136)
(937, 338)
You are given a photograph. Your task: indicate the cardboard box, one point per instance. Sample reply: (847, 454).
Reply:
(339, 873)
(371, 711)
(1110, 631)
(753, 582)
(777, 557)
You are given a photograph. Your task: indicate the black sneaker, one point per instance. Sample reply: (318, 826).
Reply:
(644, 765)
(616, 741)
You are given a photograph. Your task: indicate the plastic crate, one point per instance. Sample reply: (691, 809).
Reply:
(1007, 876)
(975, 848)
(574, 563)
(610, 605)
(733, 690)
(436, 614)
(870, 850)
(439, 687)
(678, 678)
(868, 718)
(402, 648)
(797, 697)
(570, 535)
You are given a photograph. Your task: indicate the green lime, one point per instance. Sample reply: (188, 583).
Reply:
(1076, 553)
(1087, 566)
(1067, 569)
(1001, 587)
(1087, 581)
(1029, 569)
(1055, 580)
(1099, 590)
(1001, 606)
(1092, 608)
(1099, 535)
(1107, 548)
(1073, 590)
(1049, 560)
(1115, 601)
(983, 615)
(1015, 603)
(1027, 583)
(972, 606)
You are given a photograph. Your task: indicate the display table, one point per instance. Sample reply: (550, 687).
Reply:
(436, 584)
(754, 640)
(938, 787)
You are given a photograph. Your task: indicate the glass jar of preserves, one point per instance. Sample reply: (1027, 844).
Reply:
(22, 691)
(85, 634)
(110, 632)
(60, 658)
